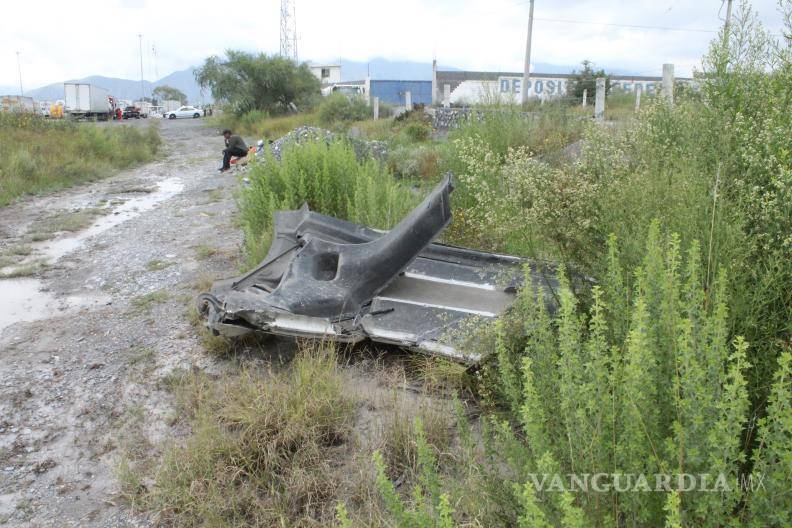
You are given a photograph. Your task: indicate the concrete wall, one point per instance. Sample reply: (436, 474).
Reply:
(485, 87)
(334, 71)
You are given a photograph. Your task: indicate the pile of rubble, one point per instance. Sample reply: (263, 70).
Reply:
(299, 135)
(363, 149)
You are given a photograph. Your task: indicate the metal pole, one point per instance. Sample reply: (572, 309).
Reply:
(727, 24)
(142, 89)
(527, 67)
(19, 68)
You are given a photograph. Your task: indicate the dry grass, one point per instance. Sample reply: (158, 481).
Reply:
(259, 125)
(63, 221)
(263, 448)
(397, 434)
(146, 302)
(158, 265)
(204, 252)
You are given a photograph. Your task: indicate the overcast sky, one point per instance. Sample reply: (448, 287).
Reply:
(60, 40)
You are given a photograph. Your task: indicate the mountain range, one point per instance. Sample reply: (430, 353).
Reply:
(122, 88)
(184, 80)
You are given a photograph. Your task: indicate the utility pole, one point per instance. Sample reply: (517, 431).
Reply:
(527, 66)
(727, 24)
(142, 89)
(19, 69)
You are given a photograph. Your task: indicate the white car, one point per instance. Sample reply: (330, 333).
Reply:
(184, 111)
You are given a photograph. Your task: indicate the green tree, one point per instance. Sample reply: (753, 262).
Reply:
(586, 79)
(165, 93)
(247, 81)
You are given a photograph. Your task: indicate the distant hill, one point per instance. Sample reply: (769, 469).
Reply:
(9, 90)
(386, 69)
(127, 88)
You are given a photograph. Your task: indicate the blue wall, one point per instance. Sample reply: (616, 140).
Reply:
(392, 92)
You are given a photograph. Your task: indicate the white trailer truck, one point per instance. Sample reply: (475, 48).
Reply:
(86, 101)
(170, 105)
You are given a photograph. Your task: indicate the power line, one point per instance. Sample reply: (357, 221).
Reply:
(629, 26)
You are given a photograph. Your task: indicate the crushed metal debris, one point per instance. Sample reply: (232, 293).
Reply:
(332, 279)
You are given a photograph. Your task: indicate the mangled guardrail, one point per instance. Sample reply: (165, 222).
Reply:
(332, 279)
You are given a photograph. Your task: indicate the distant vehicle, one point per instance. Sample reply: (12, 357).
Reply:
(86, 101)
(171, 104)
(17, 103)
(350, 90)
(144, 107)
(184, 111)
(131, 112)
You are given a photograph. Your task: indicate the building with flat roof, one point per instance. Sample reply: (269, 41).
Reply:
(470, 87)
(327, 73)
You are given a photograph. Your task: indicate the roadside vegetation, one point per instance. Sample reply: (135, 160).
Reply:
(676, 359)
(331, 180)
(38, 155)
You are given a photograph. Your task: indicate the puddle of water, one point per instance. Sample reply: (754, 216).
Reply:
(52, 250)
(23, 299)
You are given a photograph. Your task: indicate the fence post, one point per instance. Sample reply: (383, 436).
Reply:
(375, 101)
(447, 95)
(408, 100)
(668, 83)
(638, 91)
(434, 82)
(585, 97)
(599, 100)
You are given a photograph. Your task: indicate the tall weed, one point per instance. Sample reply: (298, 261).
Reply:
(331, 180)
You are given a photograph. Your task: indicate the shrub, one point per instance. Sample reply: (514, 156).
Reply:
(415, 161)
(414, 125)
(38, 154)
(505, 127)
(338, 108)
(648, 383)
(331, 180)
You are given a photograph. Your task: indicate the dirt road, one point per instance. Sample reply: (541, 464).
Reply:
(86, 340)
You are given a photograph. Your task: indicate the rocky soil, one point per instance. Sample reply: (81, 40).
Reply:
(99, 319)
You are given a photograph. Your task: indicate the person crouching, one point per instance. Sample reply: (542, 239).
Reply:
(235, 146)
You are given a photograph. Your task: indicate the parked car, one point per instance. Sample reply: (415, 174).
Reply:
(184, 111)
(131, 111)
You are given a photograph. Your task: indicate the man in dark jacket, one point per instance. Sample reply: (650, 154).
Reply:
(235, 146)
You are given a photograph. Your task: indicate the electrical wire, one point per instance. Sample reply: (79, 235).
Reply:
(628, 26)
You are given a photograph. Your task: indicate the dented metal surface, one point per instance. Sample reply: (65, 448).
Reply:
(332, 279)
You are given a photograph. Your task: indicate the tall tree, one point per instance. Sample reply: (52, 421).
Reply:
(247, 81)
(165, 92)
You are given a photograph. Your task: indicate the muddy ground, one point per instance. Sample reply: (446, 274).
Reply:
(98, 285)
(100, 318)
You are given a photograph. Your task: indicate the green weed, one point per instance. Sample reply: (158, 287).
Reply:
(37, 155)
